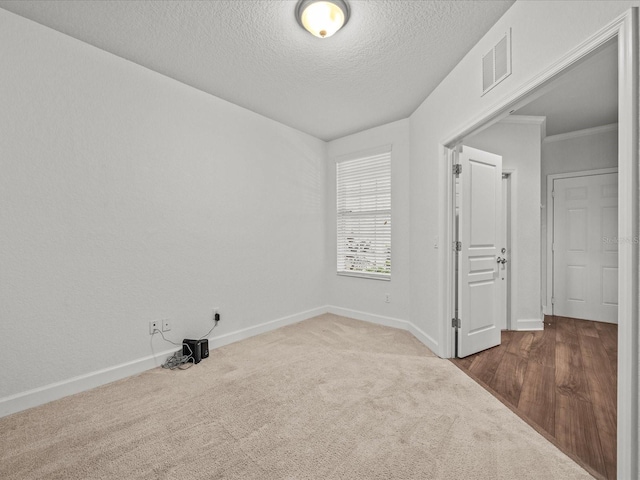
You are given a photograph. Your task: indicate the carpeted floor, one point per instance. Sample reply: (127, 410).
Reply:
(328, 398)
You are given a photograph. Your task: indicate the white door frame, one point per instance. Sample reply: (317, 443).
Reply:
(548, 307)
(512, 260)
(625, 29)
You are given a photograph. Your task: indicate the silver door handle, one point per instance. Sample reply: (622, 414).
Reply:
(501, 260)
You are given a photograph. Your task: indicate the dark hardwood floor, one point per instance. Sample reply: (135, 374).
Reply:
(563, 382)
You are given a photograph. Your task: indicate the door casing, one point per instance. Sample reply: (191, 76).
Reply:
(507, 192)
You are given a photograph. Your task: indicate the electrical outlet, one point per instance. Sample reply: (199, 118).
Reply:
(153, 326)
(387, 298)
(166, 325)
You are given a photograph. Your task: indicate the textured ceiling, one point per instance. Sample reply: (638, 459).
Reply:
(377, 69)
(585, 97)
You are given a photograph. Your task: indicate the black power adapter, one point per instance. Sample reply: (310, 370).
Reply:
(197, 349)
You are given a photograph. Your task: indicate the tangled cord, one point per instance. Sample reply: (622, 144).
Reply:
(178, 359)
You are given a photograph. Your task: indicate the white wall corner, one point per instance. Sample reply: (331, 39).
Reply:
(428, 341)
(543, 131)
(369, 317)
(423, 337)
(232, 337)
(528, 120)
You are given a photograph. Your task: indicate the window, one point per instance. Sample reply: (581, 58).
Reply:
(364, 214)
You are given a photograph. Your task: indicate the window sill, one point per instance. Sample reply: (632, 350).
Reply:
(373, 276)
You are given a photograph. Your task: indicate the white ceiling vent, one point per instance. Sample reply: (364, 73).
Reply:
(496, 63)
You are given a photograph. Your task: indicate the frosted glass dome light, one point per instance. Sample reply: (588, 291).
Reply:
(322, 18)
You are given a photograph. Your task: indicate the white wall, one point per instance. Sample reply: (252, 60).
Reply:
(358, 296)
(519, 144)
(590, 149)
(126, 196)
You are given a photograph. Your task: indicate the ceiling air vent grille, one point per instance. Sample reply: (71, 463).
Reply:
(496, 63)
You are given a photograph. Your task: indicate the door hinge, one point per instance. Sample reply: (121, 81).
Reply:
(553, 193)
(457, 169)
(553, 300)
(455, 322)
(457, 246)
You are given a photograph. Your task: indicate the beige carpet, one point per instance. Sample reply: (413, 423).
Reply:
(328, 398)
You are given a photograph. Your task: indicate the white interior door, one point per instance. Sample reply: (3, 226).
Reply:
(585, 247)
(480, 219)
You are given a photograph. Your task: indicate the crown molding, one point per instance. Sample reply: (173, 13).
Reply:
(582, 133)
(527, 119)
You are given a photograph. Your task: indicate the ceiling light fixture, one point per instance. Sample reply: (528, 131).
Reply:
(322, 18)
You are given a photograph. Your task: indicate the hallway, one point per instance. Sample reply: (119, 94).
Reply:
(563, 382)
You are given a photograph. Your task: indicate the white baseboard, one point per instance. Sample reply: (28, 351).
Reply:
(528, 324)
(368, 317)
(428, 341)
(54, 391)
(387, 322)
(232, 337)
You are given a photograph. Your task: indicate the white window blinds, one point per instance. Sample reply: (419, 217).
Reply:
(364, 215)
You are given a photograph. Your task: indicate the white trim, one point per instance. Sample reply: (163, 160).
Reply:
(513, 247)
(423, 337)
(525, 119)
(243, 334)
(370, 276)
(54, 391)
(368, 317)
(628, 252)
(625, 29)
(581, 133)
(447, 331)
(547, 308)
(528, 324)
(528, 120)
(581, 173)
